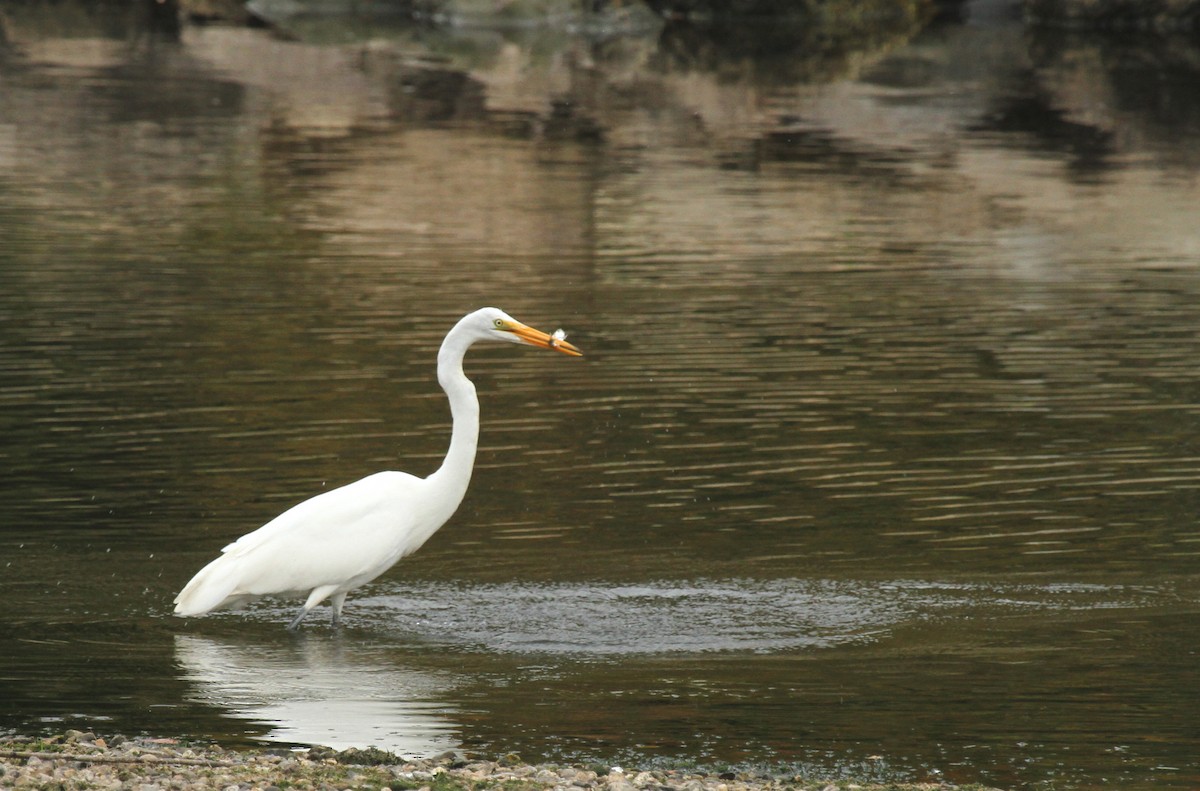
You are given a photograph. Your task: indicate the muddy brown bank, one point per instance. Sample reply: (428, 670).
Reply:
(78, 760)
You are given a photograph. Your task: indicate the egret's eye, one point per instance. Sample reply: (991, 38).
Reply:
(499, 324)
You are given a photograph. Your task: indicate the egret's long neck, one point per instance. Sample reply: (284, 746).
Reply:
(454, 475)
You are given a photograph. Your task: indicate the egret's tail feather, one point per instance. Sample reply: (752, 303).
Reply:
(213, 588)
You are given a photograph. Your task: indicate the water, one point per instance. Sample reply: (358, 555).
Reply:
(883, 461)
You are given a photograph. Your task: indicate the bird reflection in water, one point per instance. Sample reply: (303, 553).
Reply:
(317, 692)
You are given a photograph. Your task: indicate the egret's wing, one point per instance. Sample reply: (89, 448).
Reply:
(333, 513)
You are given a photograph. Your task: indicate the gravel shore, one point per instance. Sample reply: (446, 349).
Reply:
(79, 760)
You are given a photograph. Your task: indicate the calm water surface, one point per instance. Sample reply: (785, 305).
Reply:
(884, 459)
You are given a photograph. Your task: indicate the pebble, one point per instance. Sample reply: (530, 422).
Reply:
(81, 759)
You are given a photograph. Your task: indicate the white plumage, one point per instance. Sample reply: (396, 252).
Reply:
(331, 544)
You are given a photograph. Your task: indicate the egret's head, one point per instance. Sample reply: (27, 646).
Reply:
(498, 325)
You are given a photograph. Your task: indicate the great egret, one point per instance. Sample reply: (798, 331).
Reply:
(332, 543)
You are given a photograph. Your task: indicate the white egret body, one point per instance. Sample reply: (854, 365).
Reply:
(331, 544)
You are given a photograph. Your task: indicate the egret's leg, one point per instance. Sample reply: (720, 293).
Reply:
(336, 601)
(317, 596)
(296, 621)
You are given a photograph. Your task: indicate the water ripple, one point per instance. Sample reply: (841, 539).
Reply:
(759, 616)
